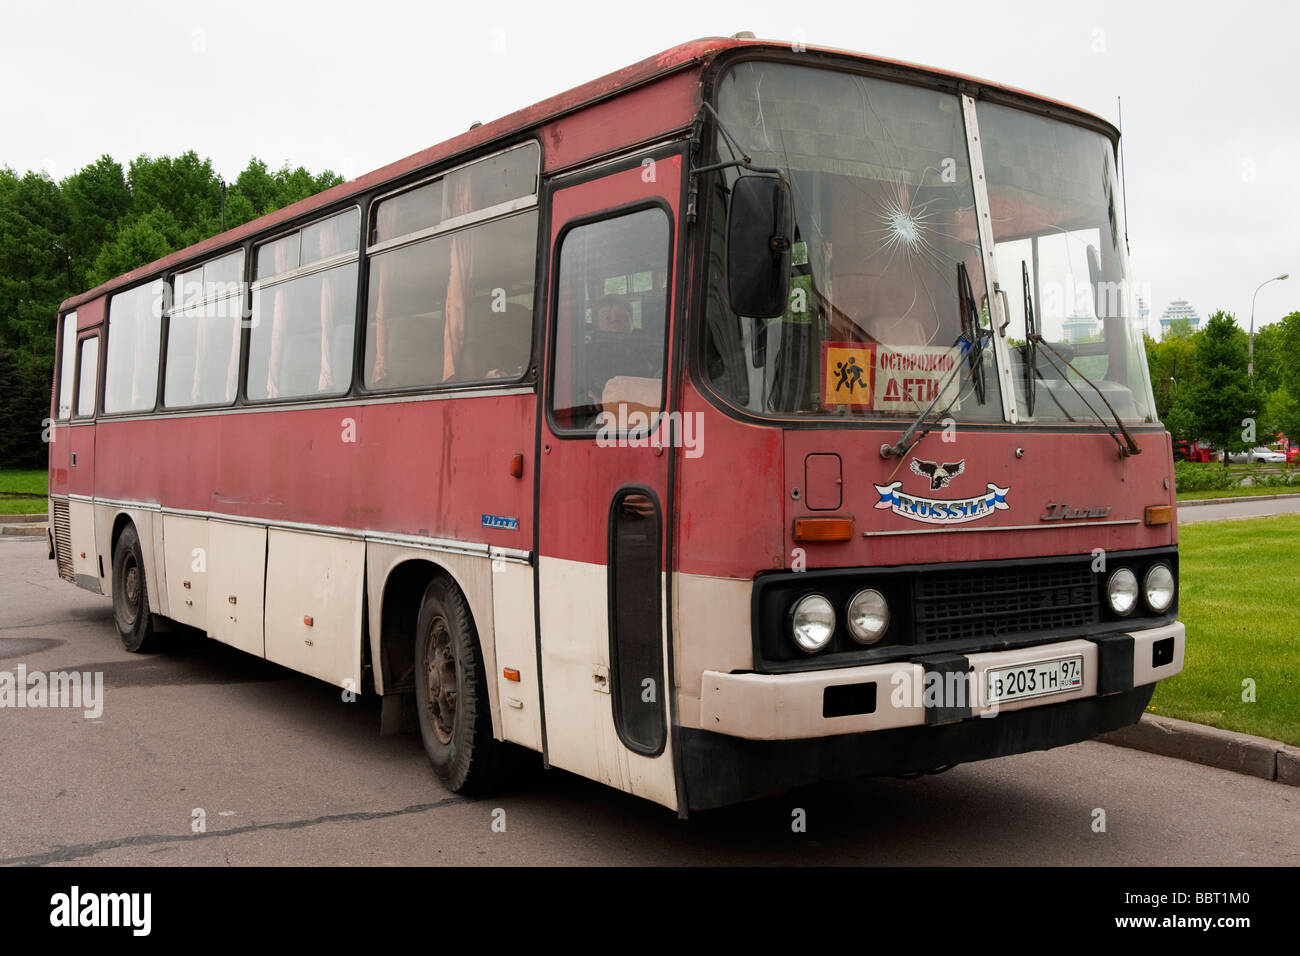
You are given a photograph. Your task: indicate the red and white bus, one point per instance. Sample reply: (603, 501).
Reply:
(748, 417)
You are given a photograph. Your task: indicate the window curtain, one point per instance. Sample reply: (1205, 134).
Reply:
(139, 317)
(459, 283)
(236, 307)
(386, 226)
(329, 247)
(202, 316)
(278, 322)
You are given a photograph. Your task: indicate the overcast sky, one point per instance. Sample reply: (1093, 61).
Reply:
(1209, 89)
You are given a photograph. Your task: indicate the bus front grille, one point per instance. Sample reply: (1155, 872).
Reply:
(63, 540)
(972, 604)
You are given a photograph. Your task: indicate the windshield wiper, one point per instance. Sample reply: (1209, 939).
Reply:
(1031, 347)
(1128, 446)
(973, 337)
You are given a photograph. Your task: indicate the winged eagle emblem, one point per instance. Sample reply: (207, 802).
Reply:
(939, 474)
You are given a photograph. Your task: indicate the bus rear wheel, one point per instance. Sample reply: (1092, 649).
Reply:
(135, 625)
(451, 694)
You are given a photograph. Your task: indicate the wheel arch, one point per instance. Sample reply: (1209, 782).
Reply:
(397, 578)
(148, 529)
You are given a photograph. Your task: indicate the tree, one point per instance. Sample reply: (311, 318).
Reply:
(1269, 357)
(57, 239)
(186, 190)
(1285, 343)
(1224, 403)
(98, 199)
(1175, 374)
(137, 243)
(257, 191)
(1282, 414)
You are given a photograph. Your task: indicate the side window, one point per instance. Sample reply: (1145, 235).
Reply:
(304, 311)
(66, 354)
(453, 308)
(611, 312)
(203, 331)
(131, 369)
(451, 280)
(88, 379)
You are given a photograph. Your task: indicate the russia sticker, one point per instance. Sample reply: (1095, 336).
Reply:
(938, 510)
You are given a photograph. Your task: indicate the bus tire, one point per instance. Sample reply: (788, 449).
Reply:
(451, 694)
(135, 625)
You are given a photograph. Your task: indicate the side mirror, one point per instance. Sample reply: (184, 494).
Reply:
(759, 243)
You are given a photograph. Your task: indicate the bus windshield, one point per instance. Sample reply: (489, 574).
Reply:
(1058, 235)
(888, 290)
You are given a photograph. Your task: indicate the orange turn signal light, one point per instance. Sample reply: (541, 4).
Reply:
(516, 466)
(823, 529)
(510, 673)
(1159, 514)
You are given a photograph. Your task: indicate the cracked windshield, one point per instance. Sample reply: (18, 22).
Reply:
(886, 270)
(888, 306)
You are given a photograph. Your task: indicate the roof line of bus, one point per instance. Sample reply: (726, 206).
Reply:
(670, 61)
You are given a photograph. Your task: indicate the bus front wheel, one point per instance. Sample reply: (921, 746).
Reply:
(451, 693)
(135, 625)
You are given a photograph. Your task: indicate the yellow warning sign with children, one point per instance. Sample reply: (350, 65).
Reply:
(847, 373)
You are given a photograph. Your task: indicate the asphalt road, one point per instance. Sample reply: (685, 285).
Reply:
(1251, 508)
(286, 772)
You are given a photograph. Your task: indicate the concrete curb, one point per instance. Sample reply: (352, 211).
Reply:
(24, 519)
(1225, 749)
(1194, 502)
(23, 530)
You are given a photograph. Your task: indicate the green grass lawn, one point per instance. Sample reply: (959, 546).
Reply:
(1236, 493)
(1237, 597)
(23, 492)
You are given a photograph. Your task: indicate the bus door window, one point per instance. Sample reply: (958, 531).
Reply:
(611, 320)
(88, 376)
(69, 342)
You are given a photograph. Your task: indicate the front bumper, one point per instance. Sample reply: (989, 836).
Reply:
(796, 706)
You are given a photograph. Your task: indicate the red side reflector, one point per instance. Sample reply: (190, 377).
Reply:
(309, 621)
(511, 673)
(517, 466)
(1159, 514)
(823, 529)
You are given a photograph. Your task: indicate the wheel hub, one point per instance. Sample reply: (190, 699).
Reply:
(131, 591)
(440, 679)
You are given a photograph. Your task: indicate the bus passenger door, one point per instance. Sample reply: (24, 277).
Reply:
(603, 476)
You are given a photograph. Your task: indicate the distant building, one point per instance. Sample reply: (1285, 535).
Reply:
(1079, 328)
(1179, 309)
(1144, 313)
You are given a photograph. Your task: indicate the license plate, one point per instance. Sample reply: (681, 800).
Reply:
(1038, 679)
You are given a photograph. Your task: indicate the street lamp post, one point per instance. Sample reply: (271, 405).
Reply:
(1250, 365)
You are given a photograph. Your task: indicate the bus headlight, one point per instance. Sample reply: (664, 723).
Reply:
(868, 616)
(812, 622)
(1158, 588)
(1122, 592)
